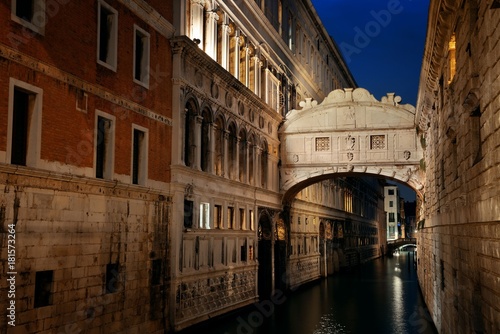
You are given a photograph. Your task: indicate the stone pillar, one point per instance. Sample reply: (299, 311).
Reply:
(196, 21)
(237, 50)
(226, 30)
(178, 111)
(247, 66)
(236, 175)
(257, 66)
(197, 142)
(211, 34)
(225, 170)
(211, 149)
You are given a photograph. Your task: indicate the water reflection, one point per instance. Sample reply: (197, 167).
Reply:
(381, 296)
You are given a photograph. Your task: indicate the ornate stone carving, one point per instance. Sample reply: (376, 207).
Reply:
(229, 100)
(214, 90)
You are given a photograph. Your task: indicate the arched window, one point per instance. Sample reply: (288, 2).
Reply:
(242, 156)
(231, 151)
(205, 139)
(219, 147)
(189, 135)
(263, 165)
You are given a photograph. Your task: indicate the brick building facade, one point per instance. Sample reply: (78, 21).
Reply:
(85, 137)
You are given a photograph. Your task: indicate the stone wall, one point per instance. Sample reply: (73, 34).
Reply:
(459, 240)
(103, 243)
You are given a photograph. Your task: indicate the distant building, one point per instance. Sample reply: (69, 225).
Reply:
(392, 210)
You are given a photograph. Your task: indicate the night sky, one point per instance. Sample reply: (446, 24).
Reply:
(382, 41)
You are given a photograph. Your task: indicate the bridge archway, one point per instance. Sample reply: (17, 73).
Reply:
(350, 132)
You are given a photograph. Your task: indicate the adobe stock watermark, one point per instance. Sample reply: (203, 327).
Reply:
(373, 28)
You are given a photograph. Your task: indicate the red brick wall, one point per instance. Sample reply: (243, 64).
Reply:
(70, 44)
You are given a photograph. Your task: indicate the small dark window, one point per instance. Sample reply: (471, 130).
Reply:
(112, 277)
(43, 288)
(25, 9)
(106, 21)
(391, 192)
(156, 272)
(137, 163)
(243, 253)
(20, 122)
(102, 146)
(188, 214)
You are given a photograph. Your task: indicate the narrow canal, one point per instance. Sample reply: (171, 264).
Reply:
(381, 296)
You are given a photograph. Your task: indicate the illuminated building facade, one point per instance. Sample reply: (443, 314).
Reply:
(458, 113)
(237, 71)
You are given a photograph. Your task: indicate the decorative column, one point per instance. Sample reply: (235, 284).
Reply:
(211, 34)
(236, 60)
(196, 31)
(185, 147)
(178, 111)
(226, 31)
(247, 65)
(236, 164)
(197, 142)
(211, 148)
(225, 170)
(257, 63)
(257, 163)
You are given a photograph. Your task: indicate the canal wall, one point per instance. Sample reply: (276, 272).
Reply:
(459, 237)
(89, 254)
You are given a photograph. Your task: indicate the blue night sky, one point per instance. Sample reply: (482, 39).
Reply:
(381, 41)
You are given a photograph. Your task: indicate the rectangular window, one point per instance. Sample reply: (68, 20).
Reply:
(141, 56)
(20, 126)
(30, 13)
(252, 221)
(112, 277)
(188, 213)
(139, 156)
(205, 215)
(243, 251)
(218, 216)
(390, 192)
(43, 288)
(107, 35)
(291, 35)
(104, 148)
(322, 144)
(243, 222)
(24, 123)
(391, 217)
(230, 217)
(391, 204)
(377, 142)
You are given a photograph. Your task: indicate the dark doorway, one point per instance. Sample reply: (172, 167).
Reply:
(280, 248)
(265, 258)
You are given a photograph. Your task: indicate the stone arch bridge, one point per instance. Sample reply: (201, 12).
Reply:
(350, 132)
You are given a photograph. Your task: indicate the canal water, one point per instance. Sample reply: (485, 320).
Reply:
(381, 296)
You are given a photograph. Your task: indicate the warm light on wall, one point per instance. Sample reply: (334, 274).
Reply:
(452, 58)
